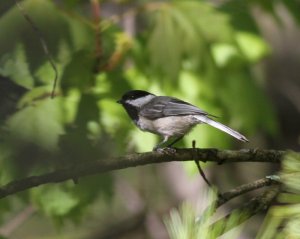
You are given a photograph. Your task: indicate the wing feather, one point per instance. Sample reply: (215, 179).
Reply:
(163, 106)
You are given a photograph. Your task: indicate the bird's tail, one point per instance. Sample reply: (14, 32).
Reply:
(224, 128)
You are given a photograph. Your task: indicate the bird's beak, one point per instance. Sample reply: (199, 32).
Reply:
(119, 101)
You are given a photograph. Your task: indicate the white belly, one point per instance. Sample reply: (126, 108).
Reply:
(168, 126)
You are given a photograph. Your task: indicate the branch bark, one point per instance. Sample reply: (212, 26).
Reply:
(139, 159)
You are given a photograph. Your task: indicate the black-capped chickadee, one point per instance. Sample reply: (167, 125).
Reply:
(168, 116)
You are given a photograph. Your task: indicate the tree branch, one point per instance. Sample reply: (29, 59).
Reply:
(138, 159)
(263, 182)
(240, 215)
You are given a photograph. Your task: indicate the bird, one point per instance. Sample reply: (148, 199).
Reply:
(169, 117)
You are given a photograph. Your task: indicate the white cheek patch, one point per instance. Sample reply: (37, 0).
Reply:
(140, 101)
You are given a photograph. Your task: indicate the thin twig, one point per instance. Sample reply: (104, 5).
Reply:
(43, 44)
(11, 225)
(139, 159)
(242, 189)
(199, 166)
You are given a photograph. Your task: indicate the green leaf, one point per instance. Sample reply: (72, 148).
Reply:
(54, 200)
(241, 17)
(237, 92)
(69, 200)
(6, 163)
(178, 31)
(224, 53)
(63, 33)
(110, 115)
(189, 85)
(207, 136)
(137, 78)
(219, 23)
(14, 26)
(15, 66)
(87, 191)
(34, 95)
(78, 73)
(40, 124)
(144, 141)
(81, 142)
(164, 44)
(253, 47)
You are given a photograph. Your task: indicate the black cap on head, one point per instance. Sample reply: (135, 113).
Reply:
(132, 95)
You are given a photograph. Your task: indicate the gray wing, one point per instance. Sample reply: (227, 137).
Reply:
(163, 106)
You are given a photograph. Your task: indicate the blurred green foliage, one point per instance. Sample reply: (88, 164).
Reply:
(184, 223)
(283, 221)
(192, 50)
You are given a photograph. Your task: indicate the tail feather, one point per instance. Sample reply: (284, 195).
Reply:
(224, 128)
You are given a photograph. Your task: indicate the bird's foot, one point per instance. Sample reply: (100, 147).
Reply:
(166, 150)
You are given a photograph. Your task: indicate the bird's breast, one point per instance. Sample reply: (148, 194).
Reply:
(168, 126)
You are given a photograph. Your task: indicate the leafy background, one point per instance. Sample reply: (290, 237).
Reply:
(231, 58)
